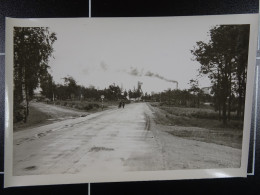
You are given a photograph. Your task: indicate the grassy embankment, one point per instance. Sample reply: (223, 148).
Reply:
(35, 118)
(46, 113)
(89, 106)
(200, 124)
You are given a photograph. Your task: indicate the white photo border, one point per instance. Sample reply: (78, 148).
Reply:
(10, 180)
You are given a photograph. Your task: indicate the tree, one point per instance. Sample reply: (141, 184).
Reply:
(224, 60)
(48, 86)
(130, 93)
(61, 92)
(115, 91)
(241, 67)
(196, 91)
(73, 90)
(125, 94)
(32, 48)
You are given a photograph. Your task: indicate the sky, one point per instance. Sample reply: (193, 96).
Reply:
(154, 51)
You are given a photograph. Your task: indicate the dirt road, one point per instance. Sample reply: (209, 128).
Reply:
(113, 140)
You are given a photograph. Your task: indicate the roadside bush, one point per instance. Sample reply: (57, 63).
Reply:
(127, 101)
(204, 115)
(88, 107)
(154, 104)
(96, 105)
(19, 112)
(80, 105)
(91, 106)
(68, 104)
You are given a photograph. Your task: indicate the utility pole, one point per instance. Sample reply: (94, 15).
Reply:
(102, 104)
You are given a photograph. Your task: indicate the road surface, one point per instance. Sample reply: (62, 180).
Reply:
(113, 140)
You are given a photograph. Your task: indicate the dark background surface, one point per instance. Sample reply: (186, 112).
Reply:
(129, 8)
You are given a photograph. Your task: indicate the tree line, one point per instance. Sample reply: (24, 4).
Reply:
(192, 97)
(70, 90)
(223, 60)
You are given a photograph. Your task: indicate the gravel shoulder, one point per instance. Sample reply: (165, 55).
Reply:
(204, 130)
(187, 153)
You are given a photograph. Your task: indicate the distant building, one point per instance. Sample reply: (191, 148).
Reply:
(135, 99)
(38, 96)
(206, 90)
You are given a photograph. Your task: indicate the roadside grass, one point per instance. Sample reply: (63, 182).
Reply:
(90, 106)
(198, 117)
(218, 136)
(35, 118)
(189, 123)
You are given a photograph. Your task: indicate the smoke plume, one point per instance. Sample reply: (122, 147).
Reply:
(150, 74)
(135, 72)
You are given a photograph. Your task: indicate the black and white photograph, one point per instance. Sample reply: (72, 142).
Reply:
(128, 99)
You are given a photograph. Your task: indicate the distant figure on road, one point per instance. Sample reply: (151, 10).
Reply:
(121, 104)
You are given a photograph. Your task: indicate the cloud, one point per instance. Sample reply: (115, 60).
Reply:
(103, 66)
(85, 71)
